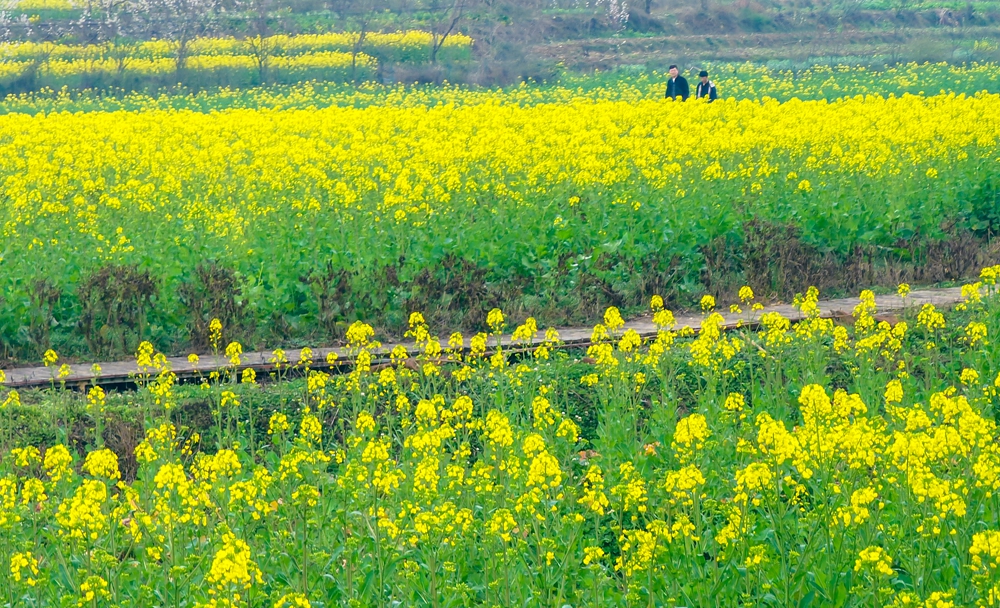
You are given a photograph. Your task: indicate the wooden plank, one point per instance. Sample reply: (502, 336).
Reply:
(261, 361)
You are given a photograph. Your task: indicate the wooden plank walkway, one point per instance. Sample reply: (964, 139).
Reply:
(123, 371)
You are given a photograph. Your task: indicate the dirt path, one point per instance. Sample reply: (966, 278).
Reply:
(123, 371)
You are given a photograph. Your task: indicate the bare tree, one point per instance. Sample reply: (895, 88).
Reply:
(447, 16)
(116, 26)
(495, 36)
(258, 14)
(15, 26)
(367, 9)
(261, 49)
(180, 22)
(359, 14)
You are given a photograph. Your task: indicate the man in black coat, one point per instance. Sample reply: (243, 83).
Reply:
(705, 88)
(677, 86)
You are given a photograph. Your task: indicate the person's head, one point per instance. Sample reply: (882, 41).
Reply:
(703, 75)
(674, 71)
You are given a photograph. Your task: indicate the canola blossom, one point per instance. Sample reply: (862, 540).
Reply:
(548, 196)
(855, 461)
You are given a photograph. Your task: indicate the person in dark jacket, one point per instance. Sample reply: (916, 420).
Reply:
(677, 86)
(705, 88)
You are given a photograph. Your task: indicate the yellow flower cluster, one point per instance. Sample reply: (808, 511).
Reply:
(874, 559)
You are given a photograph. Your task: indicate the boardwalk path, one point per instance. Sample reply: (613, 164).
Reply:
(122, 371)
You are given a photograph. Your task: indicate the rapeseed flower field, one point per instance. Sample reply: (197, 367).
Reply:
(827, 463)
(737, 81)
(402, 45)
(328, 57)
(327, 205)
(820, 463)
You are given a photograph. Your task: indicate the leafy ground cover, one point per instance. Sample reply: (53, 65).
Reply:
(835, 464)
(290, 214)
